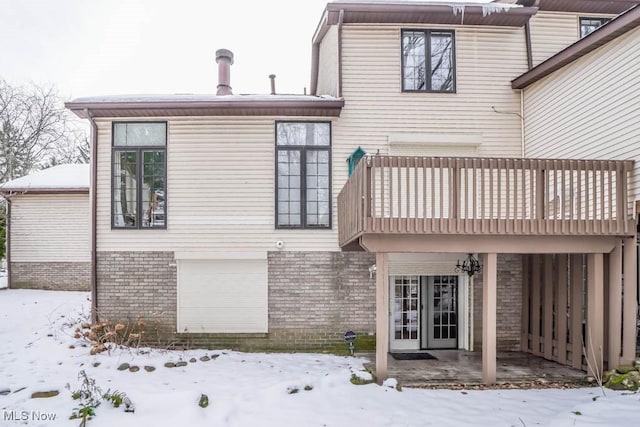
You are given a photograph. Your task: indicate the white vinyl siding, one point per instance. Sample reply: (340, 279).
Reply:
(327, 83)
(487, 59)
(553, 31)
(589, 109)
(220, 190)
(222, 296)
(50, 228)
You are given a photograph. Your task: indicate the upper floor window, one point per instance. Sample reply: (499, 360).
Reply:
(138, 189)
(428, 61)
(589, 25)
(303, 182)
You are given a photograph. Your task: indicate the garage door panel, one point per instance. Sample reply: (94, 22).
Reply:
(222, 296)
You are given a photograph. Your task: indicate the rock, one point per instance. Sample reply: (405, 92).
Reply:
(169, 365)
(149, 368)
(18, 390)
(44, 394)
(608, 375)
(623, 382)
(192, 360)
(134, 369)
(96, 364)
(205, 358)
(123, 367)
(625, 369)
(181, 364)
(4, 391)
(204, 401)
(215, 356)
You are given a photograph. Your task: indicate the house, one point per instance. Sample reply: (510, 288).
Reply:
(48, 229)
(232, 219)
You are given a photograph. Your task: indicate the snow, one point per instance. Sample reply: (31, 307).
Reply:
(56, 177)
(249, 389)
(190, 97)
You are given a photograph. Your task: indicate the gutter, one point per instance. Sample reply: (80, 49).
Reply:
(340, 22)
(93, 201)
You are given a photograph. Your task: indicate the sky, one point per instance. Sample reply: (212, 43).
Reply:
(114, 47)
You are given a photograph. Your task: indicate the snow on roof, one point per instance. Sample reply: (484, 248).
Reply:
(57, 177)
(489, 6)
(190, 97)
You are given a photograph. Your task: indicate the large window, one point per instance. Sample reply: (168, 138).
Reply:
(428, 61)
(139, 175)
(589, 25)
(303, 182)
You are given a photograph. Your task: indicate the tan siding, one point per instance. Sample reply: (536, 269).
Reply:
(589, 109)
(487, 60)
(553, 31)
(50, 227)
(328, 64)
(220, 191)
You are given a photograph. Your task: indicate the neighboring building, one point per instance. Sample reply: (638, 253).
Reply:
(232, 219)
(48, 229)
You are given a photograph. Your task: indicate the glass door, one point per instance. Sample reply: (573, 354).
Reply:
(405, 313)
(441, 316)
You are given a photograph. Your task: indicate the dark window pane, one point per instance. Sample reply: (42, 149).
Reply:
(589, 25)
(153, 189)
(441, 61)
(125, 193)
(413, 52)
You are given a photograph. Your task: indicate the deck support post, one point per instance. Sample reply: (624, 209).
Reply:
(630, 302)
(489, 307)
(382, 315)
(594, 347)
(615, 307)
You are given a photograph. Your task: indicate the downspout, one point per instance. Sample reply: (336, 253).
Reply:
(93, 201)
(340, 21)
(527, 38)
(8, 236)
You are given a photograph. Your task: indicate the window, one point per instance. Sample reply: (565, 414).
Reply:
(303, 168)
(589, 25)
(428, 61)
(138, 193)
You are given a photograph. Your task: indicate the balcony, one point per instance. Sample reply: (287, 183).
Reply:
(454, 196)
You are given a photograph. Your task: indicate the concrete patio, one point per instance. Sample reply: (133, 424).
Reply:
(458, 367)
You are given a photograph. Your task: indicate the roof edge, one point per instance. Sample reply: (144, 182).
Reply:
(23, 191)
(615, 28)
(222, 107)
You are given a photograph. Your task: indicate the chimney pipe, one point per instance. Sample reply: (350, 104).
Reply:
(273, 83)
(224, 59)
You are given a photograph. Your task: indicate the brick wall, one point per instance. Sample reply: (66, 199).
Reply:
(314, 297)
(509, 304)
(131, 284)
(59, 276)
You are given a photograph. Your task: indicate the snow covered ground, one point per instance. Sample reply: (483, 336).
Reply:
(36, 329)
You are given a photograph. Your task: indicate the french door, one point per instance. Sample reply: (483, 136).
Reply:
(424, 312)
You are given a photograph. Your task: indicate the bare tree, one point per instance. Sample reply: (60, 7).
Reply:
(35, 131)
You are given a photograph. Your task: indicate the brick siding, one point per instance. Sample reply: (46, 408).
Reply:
(58, 276)
(509, 304)
(132, 284)
(314, 297)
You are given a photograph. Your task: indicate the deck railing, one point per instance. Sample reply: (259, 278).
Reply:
(455, 195)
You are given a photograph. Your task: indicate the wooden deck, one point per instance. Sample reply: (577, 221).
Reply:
(485, 197)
